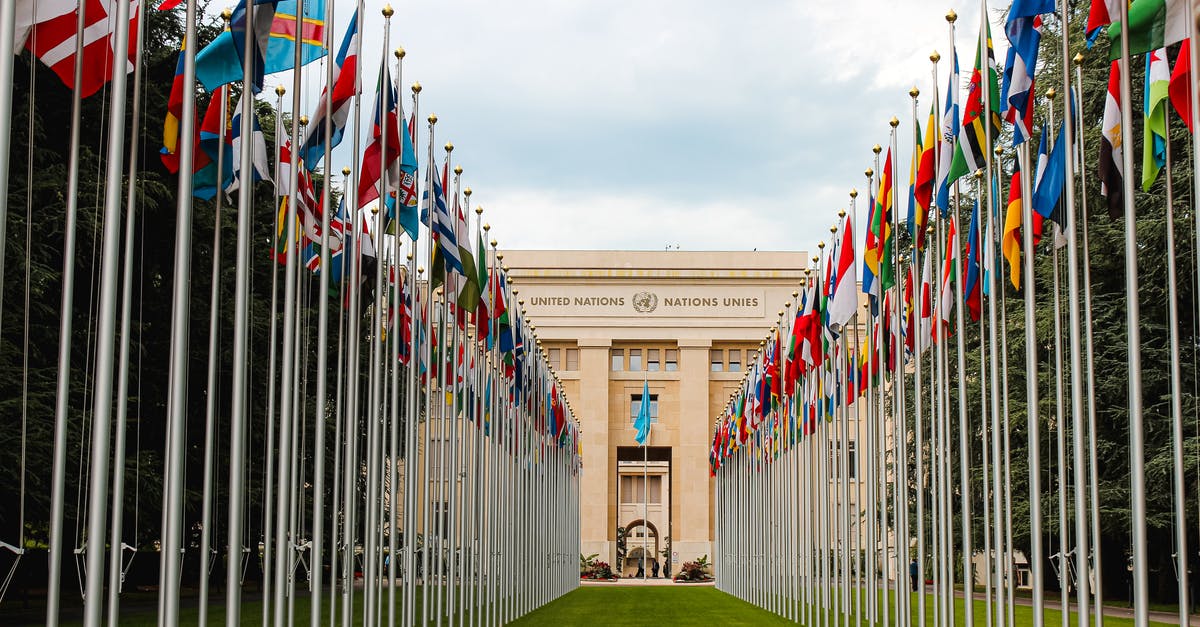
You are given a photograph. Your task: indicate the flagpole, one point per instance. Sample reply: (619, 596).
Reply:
(214, 345)
(918, 435)
(174, 461)
(239, 388)
(995, 285)
(66, 311)
(1060, 434)
(269, 487)
(1180, 502)
(1033, 424)
(8, 25)
(1137, 464)
(116, 544)
(1093, 472)
(981, 253)
(317, 554)
(283, 541)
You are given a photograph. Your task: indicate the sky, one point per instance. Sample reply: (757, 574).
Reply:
(649, 124)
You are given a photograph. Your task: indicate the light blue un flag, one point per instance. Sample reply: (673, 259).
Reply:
(642, 423)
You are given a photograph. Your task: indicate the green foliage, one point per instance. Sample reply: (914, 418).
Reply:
(34, 248)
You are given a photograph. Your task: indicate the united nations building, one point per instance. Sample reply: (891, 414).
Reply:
(685, 325)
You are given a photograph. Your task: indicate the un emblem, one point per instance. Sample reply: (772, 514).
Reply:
(645, 302)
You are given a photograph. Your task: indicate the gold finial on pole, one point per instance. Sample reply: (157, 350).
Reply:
(841, 213)
(853, 193)
(1078, 58)
(432, 118)
(1050, 93)
(400, 52)
(894, 122)
(416, 87)
(914, 92)
(449, 147)
(951, 16)
(346, 171)
(280, 90)
(458, 170)
(935, 56)
(876, 149)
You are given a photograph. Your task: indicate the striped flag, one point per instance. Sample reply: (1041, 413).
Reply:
(345, 87)
(53, 40)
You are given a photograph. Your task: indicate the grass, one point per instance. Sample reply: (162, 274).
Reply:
(694, 605)
(609, 605)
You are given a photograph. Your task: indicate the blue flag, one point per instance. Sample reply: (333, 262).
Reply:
(1051, 176)
(642, 423)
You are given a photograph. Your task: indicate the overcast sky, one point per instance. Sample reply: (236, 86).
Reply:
(641, 124)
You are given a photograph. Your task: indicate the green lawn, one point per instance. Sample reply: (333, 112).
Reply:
(694, 605)
(615, 605)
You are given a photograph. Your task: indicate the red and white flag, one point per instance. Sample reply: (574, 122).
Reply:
(53, 41)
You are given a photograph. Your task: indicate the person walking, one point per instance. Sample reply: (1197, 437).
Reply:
(912, 574)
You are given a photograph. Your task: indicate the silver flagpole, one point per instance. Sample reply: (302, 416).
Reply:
(1180, 502)
(337, 512)
(1008, 535)
(239, 388)
(899, 410)
(174, 460)
(63, 385)
(1060, 434)
(426, 503)
(1137, 462)
(995, 285)
(1077, 420)
(8, 24)
(115, 543)
(97, 516)
(918, 430)
(283, 542)
(1033, 424)
(412, 476)
(393, 360)
(269, 489)
(1093, 479)
(214, 346)
(317, 553)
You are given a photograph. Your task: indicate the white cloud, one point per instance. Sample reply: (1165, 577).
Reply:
(634, 124)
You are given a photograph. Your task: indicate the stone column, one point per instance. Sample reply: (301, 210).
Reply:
(691, 536)
(597, 486)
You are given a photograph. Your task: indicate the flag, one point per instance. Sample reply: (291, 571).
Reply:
(214, 140)
(53, 41)
(971, 293)
(1050, 177)
(30, 13)
(442, 226)
(883, 233)
(870, 259)
(1111, 145)
(1154, 116)
(260, 168)
(345, 71)
(844, 301)
(923, 190)
(949, 268)
(220, 62)
(1152, 24)
(1024, 31)
(1180, 87)
(400, 157)
(977, 125)
(281, 52)
(469, 288)
(172, 121)
(925, 330)
(1101, 14)
(949, 136)
(481, 277)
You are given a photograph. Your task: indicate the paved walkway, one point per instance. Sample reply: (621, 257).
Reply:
(640, 582)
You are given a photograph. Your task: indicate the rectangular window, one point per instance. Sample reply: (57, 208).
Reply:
(716, 358)
(635, 407)
(652, 363)
(852, 460)
(735, 360)
(655, 489)
(672, 363)
(635, 359)
(633, 489)
(552, 356)
(572, 360)
(618, 359)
